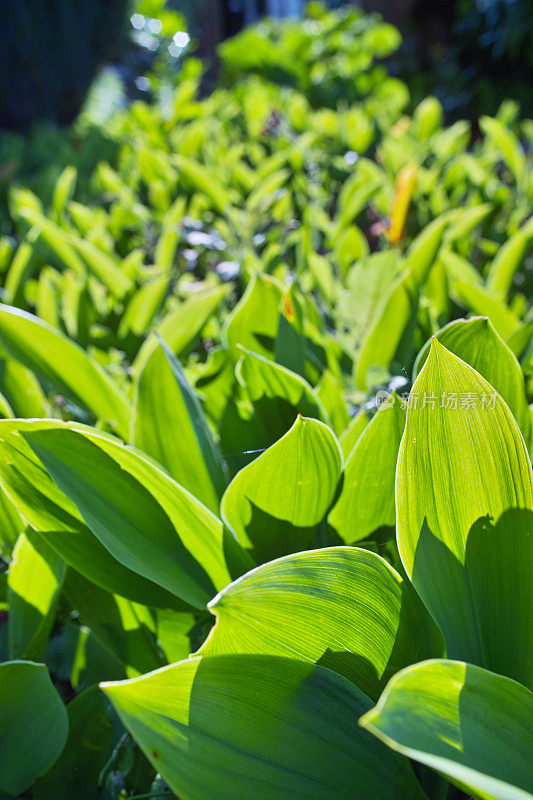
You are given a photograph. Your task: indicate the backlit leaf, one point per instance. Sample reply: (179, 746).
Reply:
(468, 723)
(464, 495)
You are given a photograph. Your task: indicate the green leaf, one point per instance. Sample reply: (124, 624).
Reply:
(22, 269)
(64, 189)
(145, 519)
(23, 390)
(331, 394)
(180, 327)
(366, 501)
(34, 581)
(174, 634)
(11, 524)
(341, 607)
(63, 363)
(507, 144)
(34, 725)
(368, 280)
(169, 424)
(290, 346)
(259, 727)
(352, 433)
(383, 338)
(253, 323)
(143, 306)
(106, 269)
(464, 496)
(66, 244)
(94, 732)
(165, 249)
(124, 628)
(519, 340)
(476, 341)
(204, 180)
(275, 504)
(480, 301)
(54, 237)
(464, 220)
(468, 723)
(508, 260)
(277, 395)
(46, 509)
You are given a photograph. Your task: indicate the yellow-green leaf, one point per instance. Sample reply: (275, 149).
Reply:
(464, 494)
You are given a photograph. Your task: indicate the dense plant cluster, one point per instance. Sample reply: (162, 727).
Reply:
(267, 501)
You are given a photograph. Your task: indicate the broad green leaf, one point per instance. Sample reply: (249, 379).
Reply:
(367, 282)
(214, 383)
(331, 394)
(33, 727)
(204, 180)
(521, 337)
(348, 246)
(126, 629)
(356, 191)
(424, 249)
(480, 301)
(275, 504)
(464, 220)
(105, 268)
(253, 323)
(22, 269)
(464, 505)
(182, 324)
(48, 296)
(169, 424)
(64, 189)
(508, 260)
(174, 633)
(268, 398)
(90, 660)
(476, 341)
(23, 390)
(259, 728)
(341, 607)
(277, 395)
(145, 519)
(366, 500)
(352, 433)
(6, 412)
(290, 345)
(384, 337)
(143, 306)
(507, 144)
(165, 249)
(459, 269)
(68, 245)
(54, 237)
(94, 732)
(35, 579)
(465, 722)
(46, 509)
(11, 524)
(64, 364)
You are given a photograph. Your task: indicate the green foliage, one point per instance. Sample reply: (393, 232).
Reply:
(241, 293)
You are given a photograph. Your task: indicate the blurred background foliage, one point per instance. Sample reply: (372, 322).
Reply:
(73, 65)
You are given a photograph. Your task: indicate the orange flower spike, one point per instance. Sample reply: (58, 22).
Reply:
(400, 127)
(288, 308)
(405, 185)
